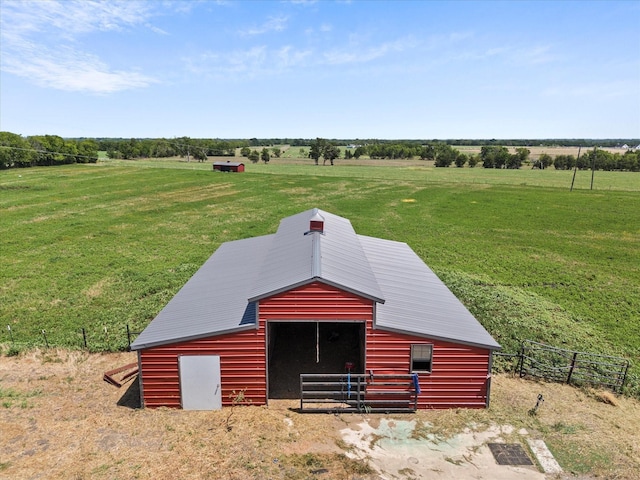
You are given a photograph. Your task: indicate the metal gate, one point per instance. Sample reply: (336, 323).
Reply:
(568, 366)
(358, 393)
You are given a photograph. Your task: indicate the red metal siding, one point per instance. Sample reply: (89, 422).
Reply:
(459, 372)
(316, 301)
(458, 378)
(242, 366)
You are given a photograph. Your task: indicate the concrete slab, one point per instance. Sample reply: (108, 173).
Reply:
(545, 457)
(393, 449)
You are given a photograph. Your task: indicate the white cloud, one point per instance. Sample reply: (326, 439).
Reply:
(73, 17)
(39, 38)
(272, 24)
(357, 54)
(288, 57)
(70, 70)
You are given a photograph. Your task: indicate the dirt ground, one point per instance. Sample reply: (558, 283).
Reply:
(60, 420)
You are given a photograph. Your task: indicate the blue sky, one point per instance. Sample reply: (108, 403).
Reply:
(344, 69)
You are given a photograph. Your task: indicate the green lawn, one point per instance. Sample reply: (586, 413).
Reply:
(102, 246)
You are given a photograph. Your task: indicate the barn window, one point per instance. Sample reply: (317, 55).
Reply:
(421, 356)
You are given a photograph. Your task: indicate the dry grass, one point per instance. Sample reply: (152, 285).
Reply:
(58, 416)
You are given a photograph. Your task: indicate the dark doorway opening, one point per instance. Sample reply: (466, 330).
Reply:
(311, 347)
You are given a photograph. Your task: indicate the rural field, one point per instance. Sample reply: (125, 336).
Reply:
(87, 250)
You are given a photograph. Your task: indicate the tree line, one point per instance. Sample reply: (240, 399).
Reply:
(499, 156)
(48, 150)
(466, 142)
(196, 148)
(44, 150)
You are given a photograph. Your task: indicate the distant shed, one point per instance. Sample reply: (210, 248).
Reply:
(229, 166)
(311, 299)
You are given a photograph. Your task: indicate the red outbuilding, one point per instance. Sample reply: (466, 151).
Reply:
(318, 313)
(228, 166)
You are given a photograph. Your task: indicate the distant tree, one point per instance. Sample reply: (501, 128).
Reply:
(331, 152)
(276, 152)
(630, 161)
(51, 149)
(348, 154)
(162, 149)
(461, 159)
(514, 161)
(265, 155)
(199, 154)
(316, 149)
(15, 151)
(564, 162)
(245, 151)
(183, 147)
(302, 152)
(602, 160)
(254, 156)
(87, 151)
(359, 151)
(427, 152)
(473, 161)
(445, 154)
(494, 156)
(523, 154)
(546, 160)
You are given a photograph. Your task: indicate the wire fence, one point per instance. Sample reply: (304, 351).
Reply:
(560, 365)
(98, 339)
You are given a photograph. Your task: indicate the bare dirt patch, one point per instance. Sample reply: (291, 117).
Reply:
(58, 419)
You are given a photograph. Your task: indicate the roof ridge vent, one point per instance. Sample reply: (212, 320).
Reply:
(316, 224)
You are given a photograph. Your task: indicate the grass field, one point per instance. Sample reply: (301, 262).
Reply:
(103, 246)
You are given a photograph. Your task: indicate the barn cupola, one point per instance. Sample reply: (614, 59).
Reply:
(316, 223)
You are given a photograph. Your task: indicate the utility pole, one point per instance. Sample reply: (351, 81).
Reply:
(575, 168)
(593, 165)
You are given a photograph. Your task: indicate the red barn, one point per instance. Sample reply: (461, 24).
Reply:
(228, 166)
(318, 312)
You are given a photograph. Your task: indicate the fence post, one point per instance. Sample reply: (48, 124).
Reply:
(128, 337)
(84, 337)
(521, 366)
(44, 334)
(573, 365)
(10, 334)
(624, 376)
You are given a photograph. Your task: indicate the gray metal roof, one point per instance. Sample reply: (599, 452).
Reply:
(221, 296)
(418, 302)
(298, 257)
(214, 300)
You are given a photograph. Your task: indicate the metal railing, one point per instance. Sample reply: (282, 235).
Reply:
(358, 393)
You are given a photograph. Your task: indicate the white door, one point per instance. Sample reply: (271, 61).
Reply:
(200, 387)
